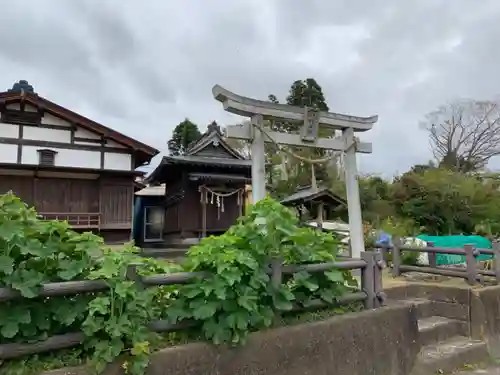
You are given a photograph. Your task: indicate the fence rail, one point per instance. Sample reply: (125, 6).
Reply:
(472, 273)
(371, 294)
(75, 219)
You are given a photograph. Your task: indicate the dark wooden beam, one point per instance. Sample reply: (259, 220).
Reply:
(68, 146)
(102, 160)
(88, 140)
(19, 146)
(72, 135)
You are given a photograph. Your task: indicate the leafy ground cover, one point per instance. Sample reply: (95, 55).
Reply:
(236, 299)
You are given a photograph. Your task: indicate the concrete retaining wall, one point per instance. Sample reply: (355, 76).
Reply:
(478, 306)
(382, 341)
(485, 317)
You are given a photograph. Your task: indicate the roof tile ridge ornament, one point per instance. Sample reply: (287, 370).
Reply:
(22, 87)
(213, 127)
(213, 136)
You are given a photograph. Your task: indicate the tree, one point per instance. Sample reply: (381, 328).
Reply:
(302, 93)
(307, 93)
(464, 135)
(446, 202)
(183, 135)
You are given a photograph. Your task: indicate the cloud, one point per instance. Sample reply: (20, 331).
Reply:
(143, 68)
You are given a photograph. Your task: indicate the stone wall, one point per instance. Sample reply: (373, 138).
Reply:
(377, 342)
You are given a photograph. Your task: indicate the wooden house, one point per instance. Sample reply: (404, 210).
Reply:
(68, 166)
(205, 188)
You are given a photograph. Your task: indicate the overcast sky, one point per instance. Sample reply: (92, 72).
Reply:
(142, 67)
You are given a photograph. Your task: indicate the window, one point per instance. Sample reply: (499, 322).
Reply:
(46, 157)
(153, 223)
(14, 116)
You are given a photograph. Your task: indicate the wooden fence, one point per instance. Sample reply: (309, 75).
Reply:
(371, 294)
(472, 273)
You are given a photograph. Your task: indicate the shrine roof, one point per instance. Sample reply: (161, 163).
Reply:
(309, 194)
(206, 160)
(149, 191)
(197, 164)
(213, 140)
(219, 177)
(210, 153)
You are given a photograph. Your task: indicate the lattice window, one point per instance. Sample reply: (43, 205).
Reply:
(46, 157)
(14, 116)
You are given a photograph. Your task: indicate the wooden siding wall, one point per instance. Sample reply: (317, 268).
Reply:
(189, 213)
(66, 195)
(111, 196)
(116, 200)
(214, 152)
(172, 219)
(217, 221)
(186, 215)
(22, 186)
(173, 211)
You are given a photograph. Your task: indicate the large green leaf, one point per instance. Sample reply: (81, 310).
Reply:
(9, 329)
(6, 264)
(335, 276)
(205, 310)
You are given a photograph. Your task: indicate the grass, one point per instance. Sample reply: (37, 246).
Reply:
(388, 281)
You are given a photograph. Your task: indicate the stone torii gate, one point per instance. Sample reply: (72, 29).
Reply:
(313, 121)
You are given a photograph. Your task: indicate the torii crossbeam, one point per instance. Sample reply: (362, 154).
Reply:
(258, 111)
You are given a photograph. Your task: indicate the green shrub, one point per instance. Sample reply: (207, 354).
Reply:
(235, 299)
(34, 252)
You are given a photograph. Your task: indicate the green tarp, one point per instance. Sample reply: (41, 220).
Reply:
(457, 242)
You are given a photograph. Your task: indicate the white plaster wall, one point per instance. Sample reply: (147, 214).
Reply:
(50, 119)
(86, 134)
(8, 153)
(115, 144)
(42, 134)
(115, 161)
(17, 106)
(9, 131)
(64, 157)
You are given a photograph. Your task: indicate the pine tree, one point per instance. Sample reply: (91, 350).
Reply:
(307, 93)
(182, 136)
(304, 93)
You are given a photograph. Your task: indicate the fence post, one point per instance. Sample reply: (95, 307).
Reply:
(276, 277)
(470, 257)
(368, 278)
(396, 258)
(432, 256)
(132, 275)
(496, 259)
(380, 296)
(385, 254)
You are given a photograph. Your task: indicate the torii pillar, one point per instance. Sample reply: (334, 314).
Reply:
(312, 120)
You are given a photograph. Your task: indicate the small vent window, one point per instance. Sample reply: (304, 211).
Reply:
(13, 116)
(46, 157)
